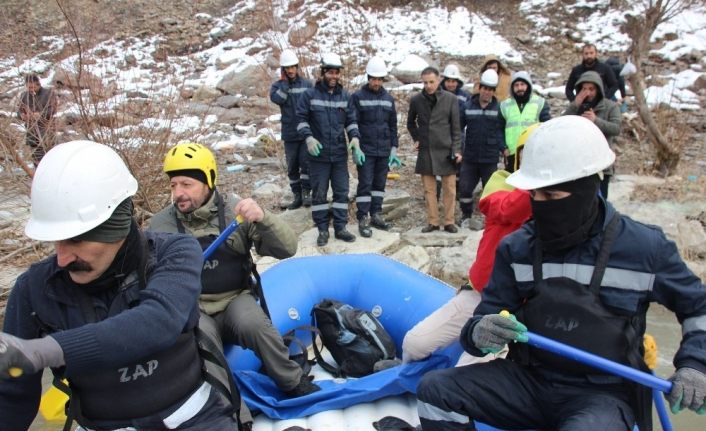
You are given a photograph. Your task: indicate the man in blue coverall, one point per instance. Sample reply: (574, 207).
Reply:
(325, 116)
(285, 92)
(584, 275)
(377, 120)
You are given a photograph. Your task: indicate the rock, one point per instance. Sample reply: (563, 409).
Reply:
(249, 81)
(299, 220)
(229, 101)
(267, 190)
(452, 265)
(414, 256)
(300, 34)
(205, 93)
(380, 242)
(68, 78)
(409, 70)
(691, 237)
(438, 238)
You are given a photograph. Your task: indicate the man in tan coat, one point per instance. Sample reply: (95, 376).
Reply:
(502, 91)
(433, 121)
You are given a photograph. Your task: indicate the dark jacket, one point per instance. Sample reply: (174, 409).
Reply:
(643, 267)
(433, 121)
(614, 64)
(43, 102)
(377, 121)
(462, 95)
(167, 307)
(484, 130)
(327, 116)
(285, 94)
(610, 83)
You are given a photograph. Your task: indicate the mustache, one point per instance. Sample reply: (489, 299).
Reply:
(78, 266)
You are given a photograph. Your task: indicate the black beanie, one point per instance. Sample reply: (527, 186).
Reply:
(196, 174)
(115, 228)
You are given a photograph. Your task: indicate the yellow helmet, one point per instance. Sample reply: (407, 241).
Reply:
(521, 143)
(190, 155)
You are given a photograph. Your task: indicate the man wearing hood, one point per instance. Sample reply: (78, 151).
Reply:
(521, 111)
(492, 62)
(590, 62)
(592, 104)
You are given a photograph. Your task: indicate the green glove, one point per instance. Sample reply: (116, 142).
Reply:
(688, 391)
(494, 331)
(358, 155)
(393, 161)
(18, 356)
(313, 146)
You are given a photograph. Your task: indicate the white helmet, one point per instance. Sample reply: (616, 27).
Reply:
(331, 61)
(376, 68)
(288, 58)
(76, 187)
(562, 149)
(489, 78)
(451, 71)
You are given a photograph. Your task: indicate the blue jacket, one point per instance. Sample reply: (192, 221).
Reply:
(377, 121)
(484, 130)
(167, 307)
(463, 96)
(285, 94)
(643, 267)
(327, 117)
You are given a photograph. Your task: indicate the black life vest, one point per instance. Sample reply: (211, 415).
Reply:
(224, 270)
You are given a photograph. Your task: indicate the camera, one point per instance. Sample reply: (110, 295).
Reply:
(585, 106)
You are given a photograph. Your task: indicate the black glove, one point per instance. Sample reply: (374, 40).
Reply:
(18, 356)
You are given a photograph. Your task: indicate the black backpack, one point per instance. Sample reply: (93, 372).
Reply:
(355, 338)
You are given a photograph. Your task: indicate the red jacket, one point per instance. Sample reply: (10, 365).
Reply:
(505, 209)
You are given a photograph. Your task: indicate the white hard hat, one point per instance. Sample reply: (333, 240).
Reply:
(331, 61)
(288, 58)
(489, 78)
(562, 149)
(376, 68)
(451, 71)
(76, 187)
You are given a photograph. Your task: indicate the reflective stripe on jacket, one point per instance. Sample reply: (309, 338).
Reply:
(516, 121)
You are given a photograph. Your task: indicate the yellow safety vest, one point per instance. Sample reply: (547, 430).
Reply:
(516, 121)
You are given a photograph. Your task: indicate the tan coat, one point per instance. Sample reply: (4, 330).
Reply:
(502, 92)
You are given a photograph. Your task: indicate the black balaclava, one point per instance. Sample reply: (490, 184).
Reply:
(567, 222)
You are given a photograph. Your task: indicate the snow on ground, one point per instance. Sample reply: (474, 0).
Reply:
(356, 33)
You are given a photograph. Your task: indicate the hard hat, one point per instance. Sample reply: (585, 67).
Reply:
(76, 187)
(489, 78)
(521, 140)
(451, 71)
(376, 68)
(562, 149)
(331, 61)
(288, 58)
(190, 155)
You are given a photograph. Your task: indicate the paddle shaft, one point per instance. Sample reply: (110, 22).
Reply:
(222, 237)
(592, 360)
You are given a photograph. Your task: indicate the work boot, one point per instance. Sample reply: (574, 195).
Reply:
(304, 387)
(322, 239)
(378, 222)
(296, 203)
(306, 198)
(451, 228)
(344, 235)
(465, 221)
(364, 227)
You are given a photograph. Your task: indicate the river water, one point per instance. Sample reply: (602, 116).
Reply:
(661, 323)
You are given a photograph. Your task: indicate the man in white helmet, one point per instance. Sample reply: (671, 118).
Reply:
(485, 141)
(285, 92)
(114, 310)
(377, 120)
(581, 274)
(327, 123)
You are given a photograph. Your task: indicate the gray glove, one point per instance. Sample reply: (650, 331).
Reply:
(18, 356)
(688, 391)
(313, 146)
(494, 331)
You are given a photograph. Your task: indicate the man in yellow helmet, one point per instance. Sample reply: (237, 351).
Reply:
(229, 308)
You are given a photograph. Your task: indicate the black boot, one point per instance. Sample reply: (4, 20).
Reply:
(378, 222)
(344, 235)
(322, 240)
(364, 227)
(305, 387)
(296, 203)
(306, 198)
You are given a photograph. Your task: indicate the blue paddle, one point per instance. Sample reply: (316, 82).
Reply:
(222, 236)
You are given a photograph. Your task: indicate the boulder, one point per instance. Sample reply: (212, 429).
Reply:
(414, 256)
(250, 81)
(409, 70)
